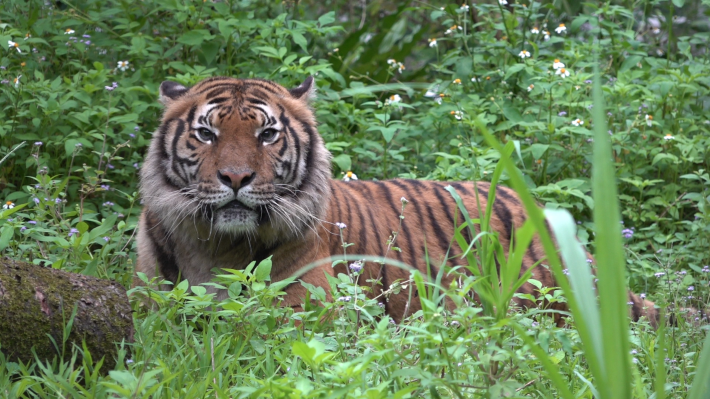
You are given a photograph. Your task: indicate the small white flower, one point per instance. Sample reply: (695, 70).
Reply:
(524, 54)
(456, 81)
(350, 176)
(8, 205)
(577, 122)
(122, 65)
(17, 81)
(403, 200)
(27, 36)
(464, 8)
(432, 42)
(562, 72)
(341, 225)
(400, 67)
(557, 64)
(531, 87)
(69, 31)
(14, 45)
(393, 99)
(656, 31)
(668, 137)
(392, 62)
(452, 29)
(561, 28)
(649, 120)
(503, 2)
(457, 114)
(546, 35)
(475, 79)
(534, 30)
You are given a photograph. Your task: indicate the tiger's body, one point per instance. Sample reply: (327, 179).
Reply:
(237, 172)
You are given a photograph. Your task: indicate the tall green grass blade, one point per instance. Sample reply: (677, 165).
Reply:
(535, 215)
(610, 260)
(701, 381)
(580, 274)
(660, 380)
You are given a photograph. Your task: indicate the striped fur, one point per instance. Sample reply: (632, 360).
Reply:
(194, 221)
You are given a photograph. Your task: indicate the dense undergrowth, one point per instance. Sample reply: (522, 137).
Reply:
(406, 89)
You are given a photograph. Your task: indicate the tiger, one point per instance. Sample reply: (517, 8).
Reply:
(237, 173)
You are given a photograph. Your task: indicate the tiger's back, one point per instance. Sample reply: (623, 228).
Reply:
(237, 173)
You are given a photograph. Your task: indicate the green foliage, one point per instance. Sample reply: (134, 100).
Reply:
(406, 89)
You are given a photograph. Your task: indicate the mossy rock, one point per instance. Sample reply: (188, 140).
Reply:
(37, 302)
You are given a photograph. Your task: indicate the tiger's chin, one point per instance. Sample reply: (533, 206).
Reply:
(236, 218)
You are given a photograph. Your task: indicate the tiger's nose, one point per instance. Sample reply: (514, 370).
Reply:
(235, 180)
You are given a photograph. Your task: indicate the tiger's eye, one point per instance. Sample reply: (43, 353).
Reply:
(268, 135)
(205, 134)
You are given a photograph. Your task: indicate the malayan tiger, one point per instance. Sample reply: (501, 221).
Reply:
(237, 172)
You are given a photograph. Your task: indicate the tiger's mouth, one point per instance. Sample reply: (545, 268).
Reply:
(235, 205)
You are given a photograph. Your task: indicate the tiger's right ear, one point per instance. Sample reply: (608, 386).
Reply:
(171, 91)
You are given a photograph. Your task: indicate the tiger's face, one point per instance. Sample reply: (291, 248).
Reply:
(237, 156)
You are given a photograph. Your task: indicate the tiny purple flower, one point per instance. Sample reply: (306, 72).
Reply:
(86, 36)
(110, 166)
(340, 225)
(691, 288)
(73, 231)
(627, 233)
(36, 200)
(135, 165)
(23, 228)
(565, 272)
(356, 267)
(630, 303)
(590, 260)
(57, 200)
(32, 222)
(588, 81)
(38, 143)
(131, 135)
(105, 187)
(108, 204)
(706, 269)
(135, 129)
(659, 274)
(642, 296)
(562, 113)
(87, 42)
(109, 88)
(106, 239)
(78, 145)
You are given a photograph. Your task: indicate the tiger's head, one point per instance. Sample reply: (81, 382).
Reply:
(237, 157)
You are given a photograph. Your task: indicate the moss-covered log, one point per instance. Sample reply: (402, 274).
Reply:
(37, 302)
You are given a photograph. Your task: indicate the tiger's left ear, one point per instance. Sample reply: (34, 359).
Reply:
(171, 91)
(306, 91)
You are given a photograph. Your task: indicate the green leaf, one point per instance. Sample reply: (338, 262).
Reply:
(300, 40)
(343, 161)
(195, 37)
(538, 150)
(263, 271)
(8, 231)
